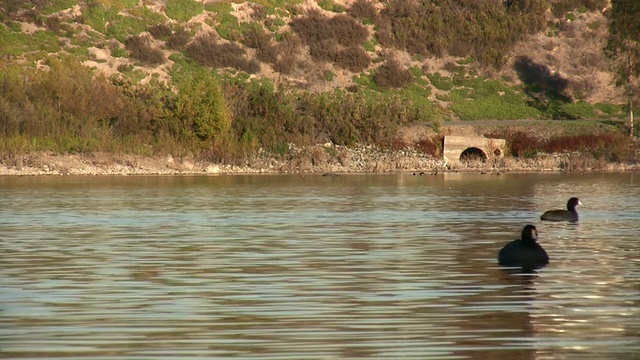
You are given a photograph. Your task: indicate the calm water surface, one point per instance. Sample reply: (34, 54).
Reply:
(293, 267)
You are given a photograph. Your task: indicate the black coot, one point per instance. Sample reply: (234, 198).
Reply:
(563, 215)
(524, 252)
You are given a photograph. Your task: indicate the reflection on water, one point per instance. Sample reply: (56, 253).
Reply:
(292, 267)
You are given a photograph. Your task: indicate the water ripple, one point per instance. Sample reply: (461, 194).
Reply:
(290, 267)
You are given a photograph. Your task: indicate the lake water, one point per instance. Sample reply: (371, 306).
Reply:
(313, 267)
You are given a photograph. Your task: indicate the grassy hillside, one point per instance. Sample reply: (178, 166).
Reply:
(228, 79)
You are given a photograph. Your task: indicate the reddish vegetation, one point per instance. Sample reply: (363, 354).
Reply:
(609, 145)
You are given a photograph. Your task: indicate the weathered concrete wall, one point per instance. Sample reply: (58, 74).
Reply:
(454, 146)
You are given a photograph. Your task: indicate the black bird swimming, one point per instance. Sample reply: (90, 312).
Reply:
(563, 215)
(525, 252)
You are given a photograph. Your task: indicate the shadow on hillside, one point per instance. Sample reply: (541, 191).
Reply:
(547, 89)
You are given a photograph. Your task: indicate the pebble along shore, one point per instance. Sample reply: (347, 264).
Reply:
(316, 159)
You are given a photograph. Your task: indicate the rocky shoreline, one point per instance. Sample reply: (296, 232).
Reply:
(318, 159)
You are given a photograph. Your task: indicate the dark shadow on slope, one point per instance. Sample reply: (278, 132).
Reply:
(547, 89)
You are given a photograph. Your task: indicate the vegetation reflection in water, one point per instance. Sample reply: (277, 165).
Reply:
(276, 267)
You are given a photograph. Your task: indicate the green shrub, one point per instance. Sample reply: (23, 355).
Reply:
(202, 109)
(65, 101)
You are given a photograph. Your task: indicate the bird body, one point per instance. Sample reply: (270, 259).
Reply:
(524, 252)
(571, 214)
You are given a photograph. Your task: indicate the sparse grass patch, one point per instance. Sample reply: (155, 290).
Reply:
(118, 4)
(366, 81)
(274, 24)
(370, 45)
(230, 28)
(11, 41)
(148, 16)
(179, 39)
(466, 61)
(610, 110)
(219, 7)
(491, 108)
(477, 98)
(183, 10)
(553, 30)
(121, 27)
(594, 25)
(97, 16)
(16, 43)
(328, 75)
(443, 97)
(329, 5)
(440, 82)
(56, 6)
(579, 110)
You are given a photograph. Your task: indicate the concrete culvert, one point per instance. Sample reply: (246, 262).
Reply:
(473, 153)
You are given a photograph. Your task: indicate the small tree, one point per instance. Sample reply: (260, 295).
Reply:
(203, 110)
(623, 46)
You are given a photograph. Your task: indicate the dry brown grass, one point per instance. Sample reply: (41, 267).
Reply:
(208, 51)
(140, 48)
(391, 74)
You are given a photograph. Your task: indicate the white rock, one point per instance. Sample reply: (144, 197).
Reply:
(187, 164)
